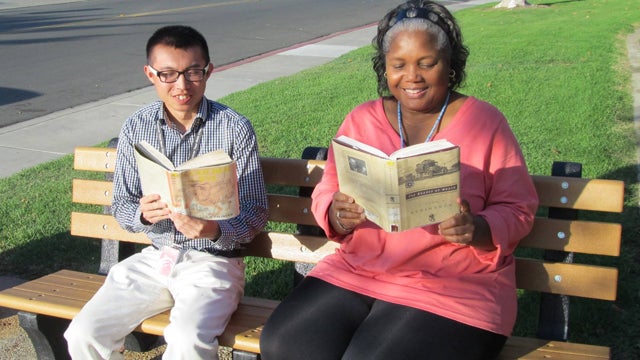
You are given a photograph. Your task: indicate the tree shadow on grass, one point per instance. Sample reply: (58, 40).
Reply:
(43, 256)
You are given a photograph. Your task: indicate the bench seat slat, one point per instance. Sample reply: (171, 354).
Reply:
(60, 294)
(532, 348)
(245, 326)
(29, 301)
(75, 276)
(515, 348)
(43, 288)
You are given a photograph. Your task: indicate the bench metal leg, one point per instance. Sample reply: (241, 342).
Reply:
(302, 269)
(46, 335)
(553, 319)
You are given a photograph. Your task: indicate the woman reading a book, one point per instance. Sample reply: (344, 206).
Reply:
(442, 291)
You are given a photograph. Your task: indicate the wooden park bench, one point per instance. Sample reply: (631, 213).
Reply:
(47, 304)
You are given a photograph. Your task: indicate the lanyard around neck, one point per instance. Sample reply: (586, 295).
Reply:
(198, 125)
(435, 125)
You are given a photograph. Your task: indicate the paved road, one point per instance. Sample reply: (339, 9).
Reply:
(69, 53)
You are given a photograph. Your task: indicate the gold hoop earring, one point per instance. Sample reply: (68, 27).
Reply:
(385, 74)
(452, 75)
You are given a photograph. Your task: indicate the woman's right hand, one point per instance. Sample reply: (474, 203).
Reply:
(345, 214)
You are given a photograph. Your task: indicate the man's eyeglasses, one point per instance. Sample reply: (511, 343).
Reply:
(171, 76)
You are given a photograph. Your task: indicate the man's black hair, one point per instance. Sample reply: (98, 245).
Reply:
(179, 37)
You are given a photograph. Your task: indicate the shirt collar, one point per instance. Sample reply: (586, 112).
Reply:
(203, 112)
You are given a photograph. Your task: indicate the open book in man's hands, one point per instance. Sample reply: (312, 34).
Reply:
(205, 187)
(415, 186)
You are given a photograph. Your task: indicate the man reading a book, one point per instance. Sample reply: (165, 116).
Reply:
(193, 266)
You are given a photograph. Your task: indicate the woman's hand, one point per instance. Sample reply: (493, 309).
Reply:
(345, 214)
(466, 229)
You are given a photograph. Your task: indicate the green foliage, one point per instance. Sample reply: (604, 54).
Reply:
(559, 73)
(34, 223)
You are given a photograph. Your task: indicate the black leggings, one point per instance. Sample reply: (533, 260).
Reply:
(325, 322)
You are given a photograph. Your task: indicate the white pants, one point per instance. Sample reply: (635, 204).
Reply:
(202, 292)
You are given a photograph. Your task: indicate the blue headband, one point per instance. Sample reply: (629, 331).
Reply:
(419, 13)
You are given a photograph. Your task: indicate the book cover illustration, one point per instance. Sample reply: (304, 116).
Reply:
(410, 188)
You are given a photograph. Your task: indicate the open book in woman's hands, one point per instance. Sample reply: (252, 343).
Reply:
(415, 186)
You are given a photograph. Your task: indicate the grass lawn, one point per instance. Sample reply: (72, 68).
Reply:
(558, 71)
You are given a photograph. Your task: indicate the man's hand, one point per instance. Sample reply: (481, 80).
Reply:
(193, 228)
(153, 210)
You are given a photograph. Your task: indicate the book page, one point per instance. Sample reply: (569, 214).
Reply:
(146, 150)
(153, 177)
(371, 181)
(421, 148)
(216, 157)
(357, 145)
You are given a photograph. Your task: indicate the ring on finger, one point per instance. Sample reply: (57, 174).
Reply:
(338, 215)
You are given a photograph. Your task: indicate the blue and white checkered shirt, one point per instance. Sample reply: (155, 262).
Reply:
(222, 128)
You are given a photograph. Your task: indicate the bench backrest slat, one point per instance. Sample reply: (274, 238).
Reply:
(291, 247)
(290, 209)
(103, 227)
(579, 193)
(543, 236)
(292, 172)
(575, 236)
(94, 159)
(532, 274)
(554, 191)
(597, 282)
(95, 192)
(282, 208)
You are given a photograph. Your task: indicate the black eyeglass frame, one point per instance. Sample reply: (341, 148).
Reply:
(185, 73)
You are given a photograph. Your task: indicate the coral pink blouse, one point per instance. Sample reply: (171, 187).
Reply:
(417, 267)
